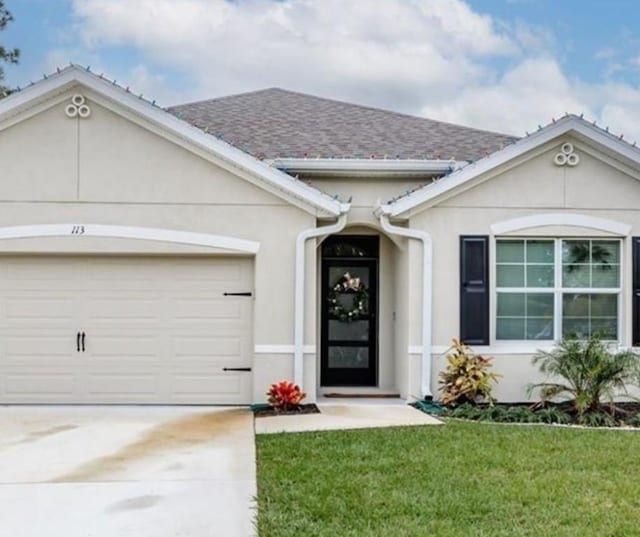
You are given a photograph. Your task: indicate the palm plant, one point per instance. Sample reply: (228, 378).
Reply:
(588, 374)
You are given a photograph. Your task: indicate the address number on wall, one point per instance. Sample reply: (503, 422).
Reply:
(77, 230)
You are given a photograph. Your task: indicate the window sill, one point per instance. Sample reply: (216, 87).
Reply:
(502, 348)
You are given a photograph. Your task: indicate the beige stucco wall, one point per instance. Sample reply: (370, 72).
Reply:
(531, 186)
(117, 170)
(365, 191)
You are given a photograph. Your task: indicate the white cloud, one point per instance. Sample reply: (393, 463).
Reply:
(439, 58)
(358, 49)
(532, 93)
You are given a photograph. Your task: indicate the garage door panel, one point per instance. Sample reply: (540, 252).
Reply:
(201, 387)
(158, 330)
(44, 275)
(38, 348)
(116, 310)
(119, 270)
(207, 347)
(42, 311)
(54, 386)
(139, 386)
(124, 348)
(206, 309)
(28, 269)
(225, 271)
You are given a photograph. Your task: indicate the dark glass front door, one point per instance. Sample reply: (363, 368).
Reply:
(349, 311)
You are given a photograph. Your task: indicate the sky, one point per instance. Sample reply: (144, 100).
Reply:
(503, 65)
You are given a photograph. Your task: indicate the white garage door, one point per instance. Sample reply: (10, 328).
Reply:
(156, 330)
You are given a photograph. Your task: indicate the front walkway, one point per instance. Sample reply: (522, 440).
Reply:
(348, 415)
(126, 472)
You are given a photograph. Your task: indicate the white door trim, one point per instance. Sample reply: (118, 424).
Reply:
(130, 232)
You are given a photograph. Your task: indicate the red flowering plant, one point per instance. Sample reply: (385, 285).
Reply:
(285, 395)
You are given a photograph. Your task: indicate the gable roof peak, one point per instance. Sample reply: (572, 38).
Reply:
(222, 153)
(572, 124)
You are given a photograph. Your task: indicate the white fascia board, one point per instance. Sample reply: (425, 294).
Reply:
(378, 166)
(468, 173)
(313, 200)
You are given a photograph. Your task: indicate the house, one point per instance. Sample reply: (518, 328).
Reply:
(200, 253)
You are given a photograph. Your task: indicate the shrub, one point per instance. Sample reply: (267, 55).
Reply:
(552, 414)
(467, 411)
(585, 373)
(285, 395)
(466, 378)
(597, 419)
(495, 413)
(633, 421)
(520, 414)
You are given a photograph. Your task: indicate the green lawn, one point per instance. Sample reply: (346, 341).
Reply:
(461, 479)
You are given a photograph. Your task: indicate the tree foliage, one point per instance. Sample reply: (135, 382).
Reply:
(6, 55)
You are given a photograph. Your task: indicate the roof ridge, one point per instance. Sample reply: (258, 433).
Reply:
(389, 111)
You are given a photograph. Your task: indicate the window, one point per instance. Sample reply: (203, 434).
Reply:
(550, 288)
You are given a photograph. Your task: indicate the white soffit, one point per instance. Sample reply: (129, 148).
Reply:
(366, 167)
(569, 124)
(228, 156)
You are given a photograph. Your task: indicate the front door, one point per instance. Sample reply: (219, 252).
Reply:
(349, 311)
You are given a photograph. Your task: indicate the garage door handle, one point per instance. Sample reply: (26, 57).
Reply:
(83, 336)
(248, 293)
(236, 369)
(77, 341)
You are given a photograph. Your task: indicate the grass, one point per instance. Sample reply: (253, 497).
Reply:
(462, 479)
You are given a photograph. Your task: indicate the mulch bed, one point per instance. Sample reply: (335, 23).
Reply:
(623, 413)
(310, 408)
(621, 409)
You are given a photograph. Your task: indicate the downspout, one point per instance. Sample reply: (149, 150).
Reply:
(298, 327)
(427, 286)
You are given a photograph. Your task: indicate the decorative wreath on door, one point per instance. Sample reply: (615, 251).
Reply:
(340, 308)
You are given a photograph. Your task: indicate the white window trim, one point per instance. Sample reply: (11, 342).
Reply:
(533, 345)
(561, 219)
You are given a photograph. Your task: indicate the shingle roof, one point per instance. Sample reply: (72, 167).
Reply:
(276, 123)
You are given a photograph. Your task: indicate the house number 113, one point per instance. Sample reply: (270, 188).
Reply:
(77, 230)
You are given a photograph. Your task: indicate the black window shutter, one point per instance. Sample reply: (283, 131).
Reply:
(636, 291)
(474, 289)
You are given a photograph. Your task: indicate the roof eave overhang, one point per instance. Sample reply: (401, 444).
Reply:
(383, 168)
(227, 156)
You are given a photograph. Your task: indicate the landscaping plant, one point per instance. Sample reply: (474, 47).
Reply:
(467, 378)
(552, 414)
(633, 421)
(587, 375)
(285, 396)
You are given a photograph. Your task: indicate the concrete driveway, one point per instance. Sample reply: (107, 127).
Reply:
(126, 471)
